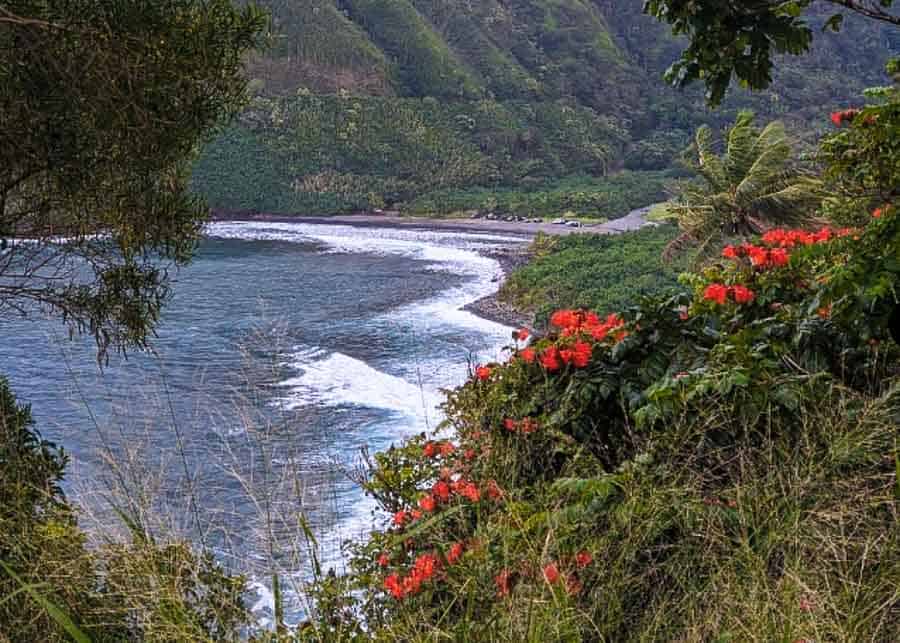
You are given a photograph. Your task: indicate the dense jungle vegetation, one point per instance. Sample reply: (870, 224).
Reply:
(439, 107)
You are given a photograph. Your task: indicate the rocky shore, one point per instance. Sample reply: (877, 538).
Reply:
(491, 307)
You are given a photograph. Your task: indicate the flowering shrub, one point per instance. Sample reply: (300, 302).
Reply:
(546, 445)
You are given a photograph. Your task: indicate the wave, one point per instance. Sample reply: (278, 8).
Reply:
(336, 379)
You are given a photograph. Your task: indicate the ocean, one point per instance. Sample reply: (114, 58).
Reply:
(288, 352)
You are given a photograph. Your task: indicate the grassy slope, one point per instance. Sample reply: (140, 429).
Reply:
(598, 272)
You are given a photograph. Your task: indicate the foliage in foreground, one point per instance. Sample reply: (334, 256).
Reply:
(719, 466)
(49, 578)
(103, 105)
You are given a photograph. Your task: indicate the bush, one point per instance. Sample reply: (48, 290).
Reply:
(703, 467)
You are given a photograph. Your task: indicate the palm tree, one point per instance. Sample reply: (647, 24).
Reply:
(753, 187)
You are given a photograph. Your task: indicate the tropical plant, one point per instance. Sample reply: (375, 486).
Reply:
(753, 186)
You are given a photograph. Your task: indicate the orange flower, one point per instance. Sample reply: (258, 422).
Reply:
(428, 504)
(441, 491)
(742, 294)
(550, 359)
(581, 354)
(502, 580)
(551, 573)
(717, 293)
(583, 558)
(456, 551)
(778, 257)
(393, 585)
(730, 252)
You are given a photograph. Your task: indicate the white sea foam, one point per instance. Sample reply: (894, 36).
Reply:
(326, 378)
(335, 379)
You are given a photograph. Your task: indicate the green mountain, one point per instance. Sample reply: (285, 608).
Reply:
(522, 106)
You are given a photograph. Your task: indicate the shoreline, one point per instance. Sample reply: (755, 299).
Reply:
(510, 257)
(632, 221)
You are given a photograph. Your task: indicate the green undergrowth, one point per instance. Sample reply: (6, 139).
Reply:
(599, 272)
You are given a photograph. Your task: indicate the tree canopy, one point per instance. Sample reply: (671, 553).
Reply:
(102, 106)
(740, 39)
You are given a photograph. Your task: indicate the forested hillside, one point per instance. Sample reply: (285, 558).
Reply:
(439, 106)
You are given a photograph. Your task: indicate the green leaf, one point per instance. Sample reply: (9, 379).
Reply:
(61, 618)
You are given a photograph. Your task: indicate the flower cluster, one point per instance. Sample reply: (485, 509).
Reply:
(719, 294)
(423, 569)
(844, 116)
(436, 449)
(550, 573)
(483, 372)
(581, 322)
(773, 253)
(525, 425)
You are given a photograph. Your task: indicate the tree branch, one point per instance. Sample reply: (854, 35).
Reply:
(869, 11)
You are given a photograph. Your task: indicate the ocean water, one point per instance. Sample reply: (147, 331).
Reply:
(286, 352)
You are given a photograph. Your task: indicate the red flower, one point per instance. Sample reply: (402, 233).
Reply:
(730, 252)
(565, 319)
(483, 372)
(447, 448)
(393, 585)
(551, 573)
(567, 355)
(583, 558)
(847, 115)
(573, 585)
(522, 334)
(510, 424)
(425, 566)
(528, 425)
(527, 354)
(456, 551)
(384, 560)
(416, 514)
(502, 581)
(759, 257)
(550, 359)
(742, 294)
(430, 450)
(717, 293)
(428, 504)
(441, 491)
(400, 518)
(581, 354)
(469, 454)
(470, 491)
(778, 257)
